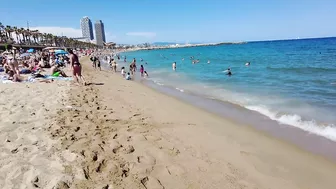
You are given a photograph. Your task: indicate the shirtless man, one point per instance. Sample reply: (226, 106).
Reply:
(76, 67)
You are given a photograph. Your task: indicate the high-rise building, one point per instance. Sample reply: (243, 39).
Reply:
(86, 26)
(100, 33)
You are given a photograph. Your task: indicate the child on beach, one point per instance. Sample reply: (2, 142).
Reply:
(123, 72)
(142, 70)
(128, 76)
(146, 74)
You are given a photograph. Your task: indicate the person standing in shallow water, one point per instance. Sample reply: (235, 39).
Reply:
(142, 69)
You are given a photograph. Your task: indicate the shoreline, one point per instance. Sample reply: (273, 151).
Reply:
(231, 131)
(116, 133)
(306, 140)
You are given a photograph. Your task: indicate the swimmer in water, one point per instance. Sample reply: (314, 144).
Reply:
(229, 73)
(174, 66)
(208, 61)
(248, 64)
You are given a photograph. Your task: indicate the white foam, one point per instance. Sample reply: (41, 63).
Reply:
(327, 131)
(181, 90)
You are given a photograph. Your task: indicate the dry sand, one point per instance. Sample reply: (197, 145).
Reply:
(27, 156)
(121, 134)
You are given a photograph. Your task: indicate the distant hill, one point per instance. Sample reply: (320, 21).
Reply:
(173, 43)
(163, 43)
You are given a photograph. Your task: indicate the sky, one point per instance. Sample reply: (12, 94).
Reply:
(180, 21)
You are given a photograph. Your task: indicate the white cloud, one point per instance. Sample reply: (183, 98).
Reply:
(69, 32)
(142, 34)
(59, 31)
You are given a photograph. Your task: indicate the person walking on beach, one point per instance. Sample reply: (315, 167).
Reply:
(76, 67)
(133, 66)
(98, 64)
(114, 66)
(94, 62)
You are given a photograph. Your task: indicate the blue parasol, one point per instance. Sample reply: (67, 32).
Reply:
(30, 50)
(57, 52)
(24, 55)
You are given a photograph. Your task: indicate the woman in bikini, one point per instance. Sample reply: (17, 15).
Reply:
(76, 67)
(13, 63)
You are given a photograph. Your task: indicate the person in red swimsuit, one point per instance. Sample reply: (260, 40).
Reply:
(76, 67)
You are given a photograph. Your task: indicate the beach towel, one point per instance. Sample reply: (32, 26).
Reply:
(59, 78)
(25, 71)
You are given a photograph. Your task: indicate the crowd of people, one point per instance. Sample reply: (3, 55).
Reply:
(112, 62)
(18, 65)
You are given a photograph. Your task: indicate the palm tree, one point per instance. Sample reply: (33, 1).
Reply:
(34, 34)
(1, 31)
(17, 35)
(40, 38)
(7, 31)
(22, 32)
(49, 39)
(28, 35)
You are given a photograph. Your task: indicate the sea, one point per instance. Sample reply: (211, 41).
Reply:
(292, 82)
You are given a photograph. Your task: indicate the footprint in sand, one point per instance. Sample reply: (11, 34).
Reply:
(147, 159)
(101, 166)
(129, 149)
(175, 170)
(95, 156)
(151, 183)
(115, 136)
(61, 185)
(116, 148)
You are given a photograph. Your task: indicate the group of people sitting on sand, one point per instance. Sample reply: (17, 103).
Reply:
(16, 64)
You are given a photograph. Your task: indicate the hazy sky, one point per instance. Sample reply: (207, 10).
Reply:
(135, 21)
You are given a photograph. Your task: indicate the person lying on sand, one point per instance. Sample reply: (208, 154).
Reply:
(13, 77)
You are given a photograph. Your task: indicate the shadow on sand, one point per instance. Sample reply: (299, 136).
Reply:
(95, 84)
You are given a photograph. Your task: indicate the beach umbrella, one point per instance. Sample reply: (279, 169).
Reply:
(30, 51)
(48, 48)
(24, 55)
(60, 52)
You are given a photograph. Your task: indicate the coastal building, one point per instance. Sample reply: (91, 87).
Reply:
(100, 33)
(87, 29)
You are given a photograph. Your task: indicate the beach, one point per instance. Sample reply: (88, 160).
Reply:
(116, 133)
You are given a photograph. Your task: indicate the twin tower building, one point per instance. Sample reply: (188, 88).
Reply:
(87, 30)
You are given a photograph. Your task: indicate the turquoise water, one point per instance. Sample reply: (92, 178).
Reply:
(292, 81)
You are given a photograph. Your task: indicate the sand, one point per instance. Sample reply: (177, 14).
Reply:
(27, 156)
(121, 134)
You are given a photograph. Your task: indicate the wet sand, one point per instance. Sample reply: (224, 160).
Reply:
(121, 134)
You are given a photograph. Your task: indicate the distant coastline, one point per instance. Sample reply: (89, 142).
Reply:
(185, 46)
